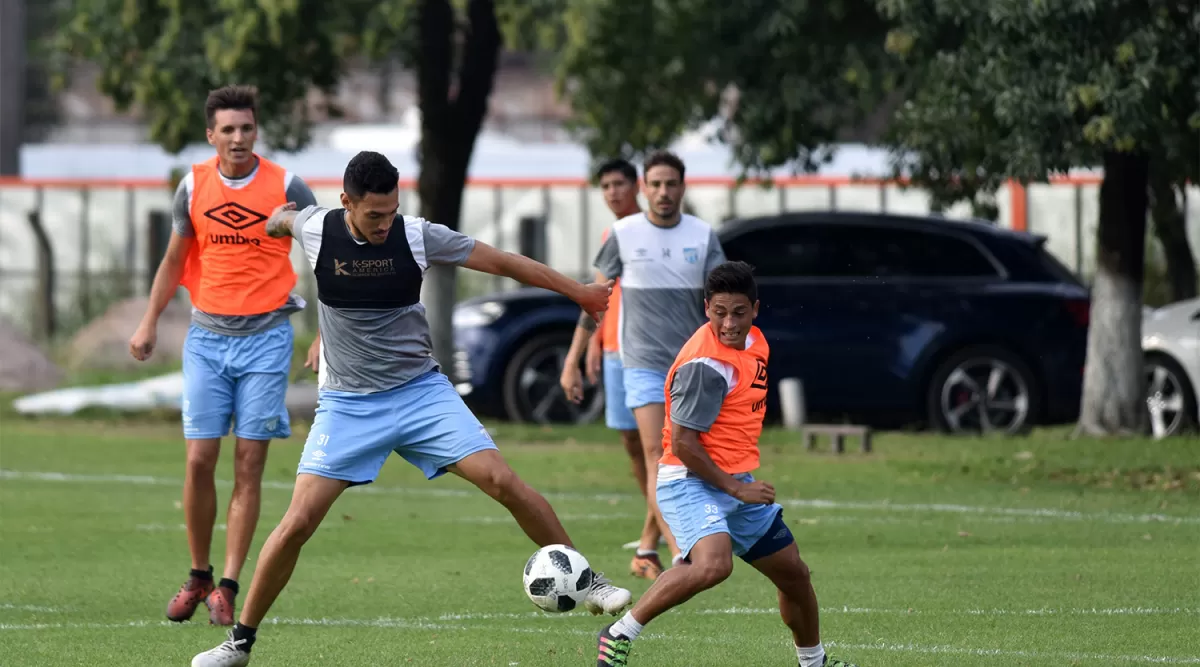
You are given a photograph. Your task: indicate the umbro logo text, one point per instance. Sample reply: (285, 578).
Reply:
(232, 239)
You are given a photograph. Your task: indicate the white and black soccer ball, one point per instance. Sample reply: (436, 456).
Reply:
(557, 578)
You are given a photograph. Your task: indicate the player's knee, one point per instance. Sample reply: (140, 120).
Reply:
(297, 526)
(797, 572)
(501, 484)
(248, 465)
(712, 571)
(202, 461)
(633, 445)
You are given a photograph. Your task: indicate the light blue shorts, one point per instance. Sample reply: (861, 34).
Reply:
(695, 509)
(424, 420)
(617, 415)
(238, 380)
(644, 387)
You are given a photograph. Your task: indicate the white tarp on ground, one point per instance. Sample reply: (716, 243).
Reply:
(164, 392)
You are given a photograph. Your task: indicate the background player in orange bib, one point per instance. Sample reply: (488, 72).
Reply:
(238, 350)
(716, 400)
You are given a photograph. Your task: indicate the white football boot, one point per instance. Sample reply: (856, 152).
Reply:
(228, 654)
(603, 597)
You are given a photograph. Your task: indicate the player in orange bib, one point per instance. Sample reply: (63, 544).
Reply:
(238, 351)
(716, 396)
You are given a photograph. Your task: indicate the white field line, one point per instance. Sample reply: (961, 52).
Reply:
(426, 624)
(219, 527)
(1017, 513)
(566, 518)
(487, 520)
(8, 606)
(1016, 653)
(730, 611)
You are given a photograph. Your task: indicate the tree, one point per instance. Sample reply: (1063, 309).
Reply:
(787, 76)
(1169, 174)
(164, 57)
(1171, 231)
(1027, 89)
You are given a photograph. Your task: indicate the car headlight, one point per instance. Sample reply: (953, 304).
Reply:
(478, 315)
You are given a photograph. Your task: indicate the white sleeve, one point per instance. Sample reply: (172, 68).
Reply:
(308, 228)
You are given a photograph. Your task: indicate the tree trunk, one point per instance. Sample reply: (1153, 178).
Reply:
(441, 189)
(1171, 231)
(13, 69)
(448, 131)
(1114, 401)
(47, 324)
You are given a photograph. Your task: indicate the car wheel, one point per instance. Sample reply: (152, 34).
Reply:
(983, 390)
(1170, 399)
(530, 389)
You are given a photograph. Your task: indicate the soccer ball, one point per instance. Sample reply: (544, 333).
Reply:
(557, 578)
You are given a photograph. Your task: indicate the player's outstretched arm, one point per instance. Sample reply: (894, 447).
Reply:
(282, 220)
(593, 298)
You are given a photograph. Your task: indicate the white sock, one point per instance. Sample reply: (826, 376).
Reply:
(676, 560)
(811, 657)
(627, 626)
(646, 552)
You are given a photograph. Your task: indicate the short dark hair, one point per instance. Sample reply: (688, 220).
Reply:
(620, 165)
(660, 158)
(369, 172)
(731, 278)
(244, 98)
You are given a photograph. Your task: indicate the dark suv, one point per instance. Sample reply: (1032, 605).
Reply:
(885, 319)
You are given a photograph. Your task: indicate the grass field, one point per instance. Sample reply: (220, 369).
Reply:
(1035, 551)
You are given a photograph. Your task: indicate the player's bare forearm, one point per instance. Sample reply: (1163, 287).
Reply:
(486, 259)
(166, 278)
(587, 325)
(578, 344)
(685, 442)
(280, 223)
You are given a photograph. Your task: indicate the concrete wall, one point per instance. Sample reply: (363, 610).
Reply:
(101, 231)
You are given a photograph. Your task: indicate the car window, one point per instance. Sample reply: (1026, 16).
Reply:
(777, 252)
(884, 252)
(857, 251)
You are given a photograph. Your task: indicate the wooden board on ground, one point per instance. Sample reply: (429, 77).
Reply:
(837, 434)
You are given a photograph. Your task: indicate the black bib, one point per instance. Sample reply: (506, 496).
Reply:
(360, 275)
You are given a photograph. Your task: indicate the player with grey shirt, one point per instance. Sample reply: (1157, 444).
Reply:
(381, 388)
(237, 355)
(662, 257)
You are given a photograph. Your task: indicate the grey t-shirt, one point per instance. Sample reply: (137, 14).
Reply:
(662, 272)
(367, 351)
(239, 325)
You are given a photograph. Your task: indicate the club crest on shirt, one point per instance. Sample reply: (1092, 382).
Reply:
(691, 255)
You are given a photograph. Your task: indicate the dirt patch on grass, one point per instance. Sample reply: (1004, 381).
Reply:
(1164, 479)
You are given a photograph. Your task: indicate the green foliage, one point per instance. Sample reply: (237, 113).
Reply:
(787, 75)
(1019, 89)
(164, 56)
